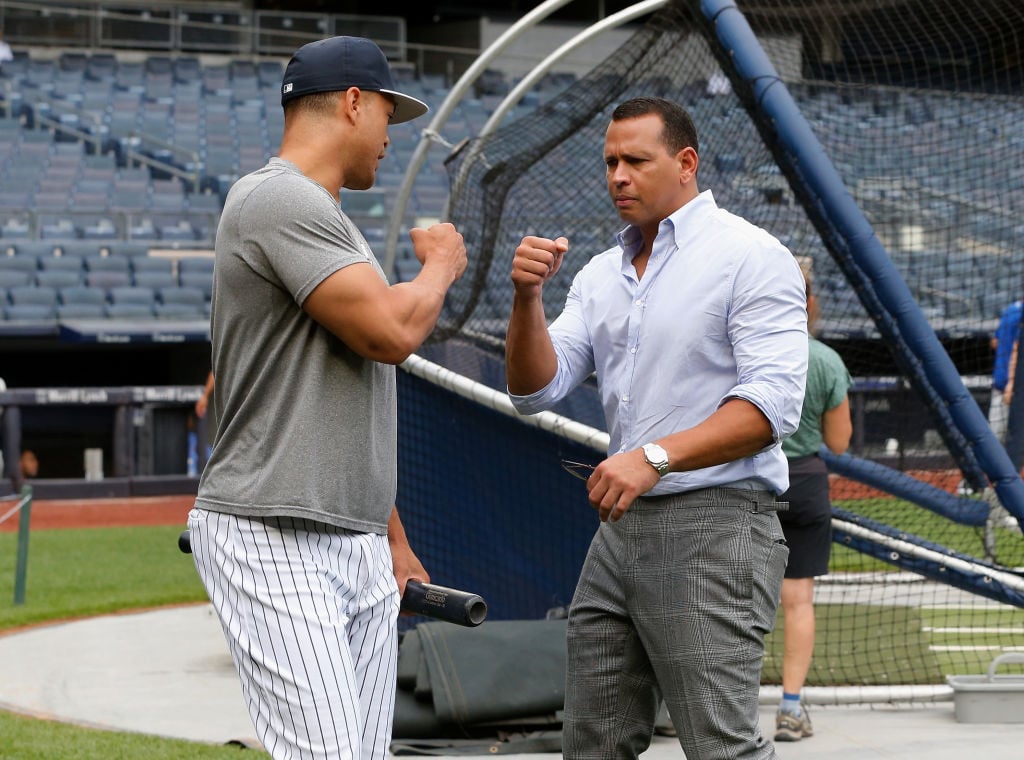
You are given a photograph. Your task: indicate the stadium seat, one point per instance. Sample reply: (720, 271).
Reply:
(98, 263)
(81, 294)
(101, 67)
(14, 278)
(204, 202)
(65, 262)
(61, 229)
(182, 295)
(167, 195)
(179, 311)
(58, 278)
(144, 230)
(108, 280)
(31, 312)
(181, 230)
(19, 263)
(151, 264)
(124, 198)
(32, 294)
(364, 203)
(79, 248)
(202, 281)
(132, 294)
(200, 264)
(154, 280)
(15, 227)
(270, 73)
(80, 311)
(186, 69)
(129, 311)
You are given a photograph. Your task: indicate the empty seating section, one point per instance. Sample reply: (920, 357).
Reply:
(81, 215)
(41, 282)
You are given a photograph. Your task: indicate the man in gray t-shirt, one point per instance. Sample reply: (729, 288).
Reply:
(295, 532)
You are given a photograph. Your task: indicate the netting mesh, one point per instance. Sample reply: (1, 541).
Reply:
(919, 107)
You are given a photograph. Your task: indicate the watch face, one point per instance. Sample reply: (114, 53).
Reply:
(656, 457)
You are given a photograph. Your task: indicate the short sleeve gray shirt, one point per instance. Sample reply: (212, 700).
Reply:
(306, 427)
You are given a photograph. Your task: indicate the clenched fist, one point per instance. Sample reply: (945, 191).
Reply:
(440, 245)
(535, 261)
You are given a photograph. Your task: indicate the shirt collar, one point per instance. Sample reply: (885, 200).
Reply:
(678, 221)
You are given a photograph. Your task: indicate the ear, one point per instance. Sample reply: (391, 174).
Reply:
(349, 103)
(688, 161)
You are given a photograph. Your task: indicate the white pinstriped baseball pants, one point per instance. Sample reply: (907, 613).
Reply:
(309, 612)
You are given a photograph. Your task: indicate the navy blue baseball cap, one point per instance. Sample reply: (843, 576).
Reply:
(338, 63)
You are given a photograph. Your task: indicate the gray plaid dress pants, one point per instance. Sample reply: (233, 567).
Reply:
(673, 602)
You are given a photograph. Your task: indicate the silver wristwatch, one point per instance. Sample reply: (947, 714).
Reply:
(656, 457)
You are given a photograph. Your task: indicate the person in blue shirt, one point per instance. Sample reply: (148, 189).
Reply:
(1005, 336)
(695, 323)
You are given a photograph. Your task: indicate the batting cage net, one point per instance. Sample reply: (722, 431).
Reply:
(903, 119)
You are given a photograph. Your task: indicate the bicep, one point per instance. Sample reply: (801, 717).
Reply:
(351, 303)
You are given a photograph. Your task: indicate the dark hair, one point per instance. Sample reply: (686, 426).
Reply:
(319, 103)
(677, 130)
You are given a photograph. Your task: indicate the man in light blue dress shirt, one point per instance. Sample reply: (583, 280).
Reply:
(696, 326)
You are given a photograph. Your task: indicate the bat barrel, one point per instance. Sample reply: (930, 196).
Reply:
(442, 603)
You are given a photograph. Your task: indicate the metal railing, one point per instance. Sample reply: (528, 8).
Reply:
(133, 155)
(225, 28)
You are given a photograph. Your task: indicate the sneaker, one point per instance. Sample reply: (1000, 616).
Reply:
(793, 728)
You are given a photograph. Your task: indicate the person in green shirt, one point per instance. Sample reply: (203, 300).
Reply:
(807, 524)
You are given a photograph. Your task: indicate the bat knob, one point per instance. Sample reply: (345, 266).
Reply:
(185, 542)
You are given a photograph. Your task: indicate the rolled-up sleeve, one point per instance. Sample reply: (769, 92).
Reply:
(571, 340)
(768, 330)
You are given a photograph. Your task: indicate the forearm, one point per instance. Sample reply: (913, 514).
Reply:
(736, 430)
(837, 428)
(396, 531)
(530, 360)
(415, 309)
(406, 565)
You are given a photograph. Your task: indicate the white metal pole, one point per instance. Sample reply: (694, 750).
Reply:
(539, 13)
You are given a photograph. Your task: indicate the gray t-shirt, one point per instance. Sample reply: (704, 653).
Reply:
(306, 427)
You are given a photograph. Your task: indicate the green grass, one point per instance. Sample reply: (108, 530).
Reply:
(849, 650)
(80, 573)
(921, 522)
(31, 739)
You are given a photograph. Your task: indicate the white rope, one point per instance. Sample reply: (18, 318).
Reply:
(435, 136)
(14, 510)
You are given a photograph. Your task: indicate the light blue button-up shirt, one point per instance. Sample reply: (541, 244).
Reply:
(720, 313)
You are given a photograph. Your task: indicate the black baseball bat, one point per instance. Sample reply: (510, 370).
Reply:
(428, 599)
(442, 603)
